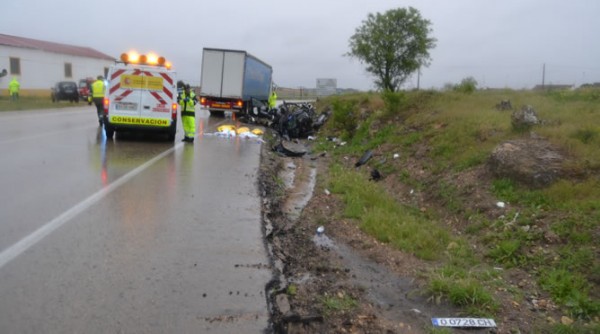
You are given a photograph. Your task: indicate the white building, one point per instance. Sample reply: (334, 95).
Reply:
(38, 65)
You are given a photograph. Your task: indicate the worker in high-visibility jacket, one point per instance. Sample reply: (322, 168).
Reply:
(13, 89)
(273, 100)
(187, 101)
(98, 97)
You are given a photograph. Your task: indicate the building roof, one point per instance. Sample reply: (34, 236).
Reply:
(73, 50)
(552, 87)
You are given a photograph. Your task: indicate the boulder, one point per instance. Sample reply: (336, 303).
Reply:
(524, 118)
(532, 162)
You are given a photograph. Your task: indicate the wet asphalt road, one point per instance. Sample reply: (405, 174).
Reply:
(135, 235)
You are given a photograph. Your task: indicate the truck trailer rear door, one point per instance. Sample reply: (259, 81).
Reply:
(222, 73)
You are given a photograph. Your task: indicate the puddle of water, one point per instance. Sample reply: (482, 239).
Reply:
(300, 193)
(321, 240)
(288, 175)
(301, 280)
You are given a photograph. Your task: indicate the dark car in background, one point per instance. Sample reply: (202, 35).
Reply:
(65, 91)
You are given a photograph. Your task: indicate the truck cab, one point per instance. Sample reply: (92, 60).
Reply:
(141, 95)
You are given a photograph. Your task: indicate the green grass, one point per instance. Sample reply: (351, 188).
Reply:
(572, 329)
(338, 303)
(507, 252)
(551, 232)
(28, 103)
(463, 289)
(381, 216)
(570, 288)
(292, 290)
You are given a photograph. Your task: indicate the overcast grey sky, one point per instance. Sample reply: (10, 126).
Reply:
(501, 43)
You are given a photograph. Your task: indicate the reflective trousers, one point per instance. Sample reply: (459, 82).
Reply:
(189, 126)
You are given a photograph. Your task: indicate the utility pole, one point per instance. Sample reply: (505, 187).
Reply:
(418, 78)
(544, 76)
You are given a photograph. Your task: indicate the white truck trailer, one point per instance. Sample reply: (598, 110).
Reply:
(232, 79)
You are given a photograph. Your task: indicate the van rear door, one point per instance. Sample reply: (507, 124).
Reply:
(146, 94)
(157, 96)
(124, 92)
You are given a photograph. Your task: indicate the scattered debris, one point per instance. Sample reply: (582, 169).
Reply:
(287, 152)
(375, 175)
(248, 135)
(322, 154)
(363, 160)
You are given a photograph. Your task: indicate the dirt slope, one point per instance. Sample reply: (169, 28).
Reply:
(344, 281)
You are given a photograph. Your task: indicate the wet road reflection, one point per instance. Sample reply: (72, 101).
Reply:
(160, 236)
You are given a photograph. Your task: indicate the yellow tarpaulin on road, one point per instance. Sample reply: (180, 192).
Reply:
(242, 130)
(226, 127)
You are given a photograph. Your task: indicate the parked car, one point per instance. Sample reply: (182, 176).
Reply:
(85, 88)
(65, 90)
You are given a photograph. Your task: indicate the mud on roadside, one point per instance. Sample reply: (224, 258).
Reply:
(342, 281)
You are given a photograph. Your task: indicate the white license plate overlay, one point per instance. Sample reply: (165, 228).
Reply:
(126, 106)
(463, 322)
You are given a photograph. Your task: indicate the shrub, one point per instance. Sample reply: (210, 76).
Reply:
(344, 117)
(393, 102)
(467, 85)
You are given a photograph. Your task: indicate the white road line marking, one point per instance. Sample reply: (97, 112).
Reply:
(27, 242)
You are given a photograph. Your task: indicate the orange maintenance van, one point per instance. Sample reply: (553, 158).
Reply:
(141, 95)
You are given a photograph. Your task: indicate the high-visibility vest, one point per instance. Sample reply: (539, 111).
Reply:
(98, 89)
(13, 86)
(187, 108)
(273, 100)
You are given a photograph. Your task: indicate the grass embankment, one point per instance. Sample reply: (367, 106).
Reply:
(450, 134)
(34, 102)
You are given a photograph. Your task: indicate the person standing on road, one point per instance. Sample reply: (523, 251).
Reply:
(273, 100)
(187, 101)
(13, 89)
(98, 97)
